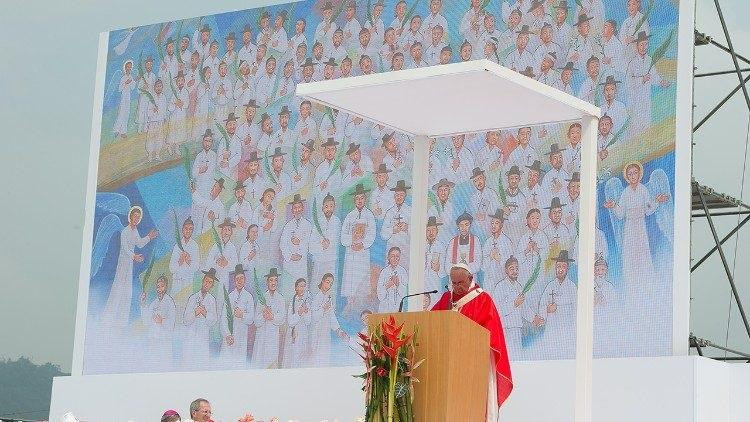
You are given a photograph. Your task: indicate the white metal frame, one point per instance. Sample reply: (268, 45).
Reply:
(587, 113)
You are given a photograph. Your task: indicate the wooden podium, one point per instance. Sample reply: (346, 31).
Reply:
(454, 377)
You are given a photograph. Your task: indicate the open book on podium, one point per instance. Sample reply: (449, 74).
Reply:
(454, 377)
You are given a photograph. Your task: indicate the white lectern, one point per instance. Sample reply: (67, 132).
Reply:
(466, 97)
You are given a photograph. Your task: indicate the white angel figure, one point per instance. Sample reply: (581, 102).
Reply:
(628, 208)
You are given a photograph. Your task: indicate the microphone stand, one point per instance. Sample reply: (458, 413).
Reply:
(401, 304)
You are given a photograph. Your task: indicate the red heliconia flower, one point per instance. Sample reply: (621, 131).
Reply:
(381, 372)
(390, 330)
(391, 351)
(364, 337)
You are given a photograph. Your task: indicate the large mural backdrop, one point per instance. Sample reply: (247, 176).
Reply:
(237, 226)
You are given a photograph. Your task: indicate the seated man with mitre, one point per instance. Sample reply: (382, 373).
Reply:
(468, 298)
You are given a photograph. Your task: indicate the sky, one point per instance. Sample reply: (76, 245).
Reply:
(47, 75)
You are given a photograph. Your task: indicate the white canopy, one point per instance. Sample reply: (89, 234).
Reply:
(449, 99)
(467, 97)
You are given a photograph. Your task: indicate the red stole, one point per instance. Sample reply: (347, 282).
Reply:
(454, 252)
(482, 311)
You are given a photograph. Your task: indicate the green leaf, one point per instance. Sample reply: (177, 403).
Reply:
(172, 87)
(148, 95)
(643, 19)
(339, 9)
(179, 39)
(230, 313)
(224, 134)
(315, 216)
(217, 239)
(486, 3)
(409, 13)
(177, 236)
(369, 13)
(336, 163)
(435, 202)
(290, 20)
(146, 275)
(186, 164)
(534, 275)
(501, 190)
(295, 158)
(661, 50)
(259, 296)
(267, 167)
(619, 133)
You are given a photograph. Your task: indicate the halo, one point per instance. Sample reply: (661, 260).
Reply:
(135, 208)
(125, 63)
(632, 163)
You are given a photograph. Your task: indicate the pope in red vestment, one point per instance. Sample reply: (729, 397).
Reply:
(469, 299)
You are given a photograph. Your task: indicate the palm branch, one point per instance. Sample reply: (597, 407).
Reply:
(580, 5)
(186, 164)
(644, 18)
(224, 134)
(148, 95)
(157, 43)
(216, 239)
(336, 163)
(290, 21)
(267, 167)
(230, 314)
(486, 3)
(616, 137)
(295, 158)
(409, 13)
(534, 275)
(146, 275)
(435, 202)
(501, 189)
(369, 13)
(172, 87)
(328, 111)
(661, 50)
(179, 38)
(259, 296)
(315, 216)
(177, 236)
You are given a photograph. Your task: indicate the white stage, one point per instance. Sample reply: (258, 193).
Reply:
(670, 389)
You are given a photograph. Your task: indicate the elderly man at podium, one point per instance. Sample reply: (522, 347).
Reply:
(467, 297)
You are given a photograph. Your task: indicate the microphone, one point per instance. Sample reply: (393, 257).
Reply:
(401, 304)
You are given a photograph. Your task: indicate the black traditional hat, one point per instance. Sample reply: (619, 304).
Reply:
(400, 186)
(227, 223)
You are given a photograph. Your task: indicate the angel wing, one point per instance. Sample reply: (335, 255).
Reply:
(123, 45)
(109, 225)
(612, 190)
(658, 183)
(113, 203)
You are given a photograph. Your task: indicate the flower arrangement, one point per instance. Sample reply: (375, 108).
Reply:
(389, 357)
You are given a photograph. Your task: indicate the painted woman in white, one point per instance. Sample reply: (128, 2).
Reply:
(298, 316)
(323, 322)
(117, 310)
(632, 205)
(127, 83)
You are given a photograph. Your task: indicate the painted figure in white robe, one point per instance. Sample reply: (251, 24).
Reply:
(512, 305)
(270, 316)
(381, 199)
(514, 210)
(433, 264)
(229, 154)
(355, 166)
(159, 317)
(157, 116)
(605, 139)
(395, 229)
(269, 226)
(295, 241)
(208, 210)
(178, 105)
(496, 250)
(116, 312)
(613, 107)
(297, 348)
(241, 211)
(204, 165)
(254, 181)
(127, 83)
(557, 311)
(612, 50)
(484, 201)
(327, 175)
(558, 233)
(608, 309)
(250, 250)
(145, 87)
(324, 322)
(442, 208)
(326, 27)
(357, 235)
(521, 58)
(202, 118)
(630, 27)
(524, 154)
(532, 248)
(641, 77)
(242, 307)
(223, 256)
(634, 204)
(324, 244)
(460, 160)
(184, 261)
(280, 179)
(465, 247)
(200, 315)
(393, 282)
(554, 179)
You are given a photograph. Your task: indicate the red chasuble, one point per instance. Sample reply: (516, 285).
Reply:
(482, 310)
